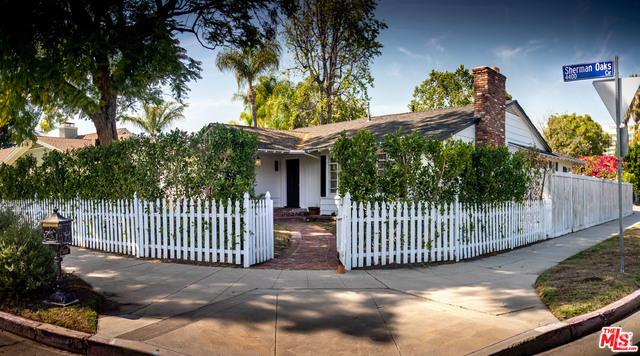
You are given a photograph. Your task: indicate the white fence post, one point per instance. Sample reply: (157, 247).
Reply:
(248, 231)
(456, 230)
(347, 231)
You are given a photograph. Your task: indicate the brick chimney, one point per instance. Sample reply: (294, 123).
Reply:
(489, 104)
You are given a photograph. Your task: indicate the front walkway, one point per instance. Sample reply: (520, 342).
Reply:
(312, 248)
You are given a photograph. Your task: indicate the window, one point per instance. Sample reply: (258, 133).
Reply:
(323, 176)
(333, 175)
(564, 169)
(382, 160)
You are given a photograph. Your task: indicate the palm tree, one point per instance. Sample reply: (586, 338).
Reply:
(248, 64)
(157, 117)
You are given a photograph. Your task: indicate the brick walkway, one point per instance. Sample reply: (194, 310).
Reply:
(314, 249)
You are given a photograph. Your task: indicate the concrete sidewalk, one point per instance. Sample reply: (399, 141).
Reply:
(448, 309)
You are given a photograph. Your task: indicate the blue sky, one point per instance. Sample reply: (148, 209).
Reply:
(528, 41)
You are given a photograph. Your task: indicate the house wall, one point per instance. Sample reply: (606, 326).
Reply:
(466, 135)
(268, 180)
(275, 182)
(518, 132)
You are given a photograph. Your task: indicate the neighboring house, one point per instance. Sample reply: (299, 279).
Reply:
(68, 139)
(296, 166)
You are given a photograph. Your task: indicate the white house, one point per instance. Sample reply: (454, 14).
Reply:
(297, 169)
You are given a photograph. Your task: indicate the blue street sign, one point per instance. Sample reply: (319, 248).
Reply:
(587, 71)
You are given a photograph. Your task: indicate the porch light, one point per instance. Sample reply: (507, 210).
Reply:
(57, 233)
(258, 161)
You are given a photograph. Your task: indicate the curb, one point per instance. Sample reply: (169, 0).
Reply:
(76, 341)
(555, 334)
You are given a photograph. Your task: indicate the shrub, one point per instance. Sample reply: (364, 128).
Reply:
(217, 162)
(26, 264)
(600, 167)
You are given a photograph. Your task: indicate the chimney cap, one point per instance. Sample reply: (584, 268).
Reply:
(486, 67)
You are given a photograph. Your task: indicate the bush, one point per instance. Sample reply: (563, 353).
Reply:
(26, 264)
(217, 162)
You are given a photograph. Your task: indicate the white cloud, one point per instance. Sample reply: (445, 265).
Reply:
(436, 42)
(505, 53)
(414, 55)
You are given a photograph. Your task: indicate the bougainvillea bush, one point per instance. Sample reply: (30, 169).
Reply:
(600, 166)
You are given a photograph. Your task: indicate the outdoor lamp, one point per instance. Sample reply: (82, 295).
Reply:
(57, 233)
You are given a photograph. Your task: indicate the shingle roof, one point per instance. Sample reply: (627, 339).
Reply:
(5, 152)
(441, 124)
(65, 144)
(122, 134)
(274, 139)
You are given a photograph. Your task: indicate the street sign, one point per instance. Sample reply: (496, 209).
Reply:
(606, 88)
(587, 71)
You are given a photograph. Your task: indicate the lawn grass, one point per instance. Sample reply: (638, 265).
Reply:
(327, 225)
(591, 279)
(80, 317)
(281, 239)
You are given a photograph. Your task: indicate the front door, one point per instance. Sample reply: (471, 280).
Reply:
(293, 183)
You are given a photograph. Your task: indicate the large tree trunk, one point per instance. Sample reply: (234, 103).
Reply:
(329, 96)
(251, 96)
(105, 120)
(329, 109)
(105, 123)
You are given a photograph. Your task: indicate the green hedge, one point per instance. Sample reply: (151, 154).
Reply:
(217, 162)
(421, 169)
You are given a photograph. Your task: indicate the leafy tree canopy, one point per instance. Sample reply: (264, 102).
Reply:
(444, 90)
(333, 43)
(575, 135)
(91, 57)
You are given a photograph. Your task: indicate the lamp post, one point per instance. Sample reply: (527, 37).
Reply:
(57, 233)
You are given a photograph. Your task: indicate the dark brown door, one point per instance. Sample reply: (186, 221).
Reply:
(293, 183)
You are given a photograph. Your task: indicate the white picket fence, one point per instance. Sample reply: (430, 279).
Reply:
(385, 233)
(239, 232)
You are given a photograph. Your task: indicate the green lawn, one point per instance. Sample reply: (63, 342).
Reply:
(591, 279)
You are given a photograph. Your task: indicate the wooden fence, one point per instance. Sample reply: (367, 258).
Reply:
(579, 202)
(385, 233)
(239, 232)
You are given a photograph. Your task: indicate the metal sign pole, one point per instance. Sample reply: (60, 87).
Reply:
(618, 145)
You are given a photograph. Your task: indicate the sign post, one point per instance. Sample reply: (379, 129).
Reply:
(603, 70)
(618, 144)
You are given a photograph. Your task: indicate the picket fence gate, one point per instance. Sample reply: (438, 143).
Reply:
(392, 232)
(238, 232)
